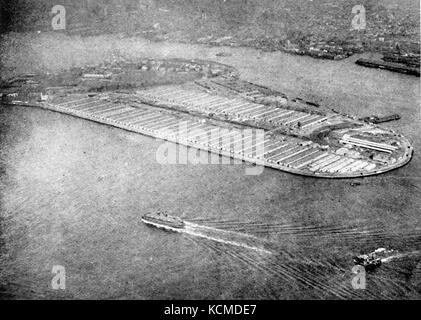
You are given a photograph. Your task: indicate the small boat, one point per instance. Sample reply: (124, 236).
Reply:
(163, 220)
(373, 259)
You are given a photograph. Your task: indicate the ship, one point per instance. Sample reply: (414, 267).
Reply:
(373, 259)
(163, 220)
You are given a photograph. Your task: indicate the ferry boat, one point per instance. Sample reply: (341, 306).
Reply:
(163, 220)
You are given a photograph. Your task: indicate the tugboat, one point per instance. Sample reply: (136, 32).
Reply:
(163, 220)
(373, 259)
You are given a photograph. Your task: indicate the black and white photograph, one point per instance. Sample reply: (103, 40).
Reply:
(210, 150)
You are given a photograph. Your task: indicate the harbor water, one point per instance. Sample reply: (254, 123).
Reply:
(73, 192)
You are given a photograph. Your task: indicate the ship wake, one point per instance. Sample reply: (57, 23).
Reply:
(401, 256)
(231, 238)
